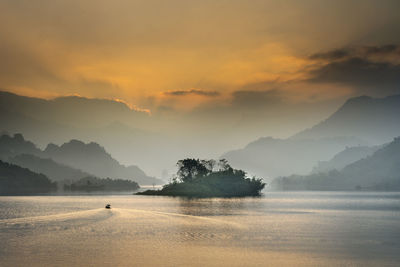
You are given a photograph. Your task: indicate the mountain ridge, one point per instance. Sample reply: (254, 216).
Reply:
(359, 121)
(362, 116)
(74, 158)
(379, 171)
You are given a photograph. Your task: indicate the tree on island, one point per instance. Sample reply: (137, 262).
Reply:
(208, 178)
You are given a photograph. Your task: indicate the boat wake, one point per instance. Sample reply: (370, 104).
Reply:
(64, 219)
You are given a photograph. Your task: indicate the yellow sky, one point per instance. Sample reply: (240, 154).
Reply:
(138, 50)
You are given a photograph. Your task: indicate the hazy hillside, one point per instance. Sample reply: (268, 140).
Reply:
(108, 122)
(17, 180)
(360, 121)
(119, 129)
(65, 118)
(74, 111)
(72, 160)
(55, 171)
(93, 158)
(14, 145)
(380, 171)
(269, 157)
(375, 120)
(344, 158)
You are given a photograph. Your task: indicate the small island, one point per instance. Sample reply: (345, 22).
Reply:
(208, 178)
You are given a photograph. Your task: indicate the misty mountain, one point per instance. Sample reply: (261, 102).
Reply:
(380, 171)
(17, 180)
(11, 146)
(65, 118)
(55, 171)
(122, 131)
(94, 159)
(269, 157)
(70, 161)
(375, 120)
(108, 122)
(16, 150)
(74, 111)
(344, 158)
(360, 121)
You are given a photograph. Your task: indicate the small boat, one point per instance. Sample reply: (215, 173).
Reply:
(108, 206)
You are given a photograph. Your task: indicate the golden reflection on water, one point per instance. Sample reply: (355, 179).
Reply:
(154, 231)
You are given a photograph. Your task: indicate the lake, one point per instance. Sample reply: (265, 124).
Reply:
(280, 228)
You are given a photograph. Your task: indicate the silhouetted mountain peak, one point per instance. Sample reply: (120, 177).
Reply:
(16, 144)
(51, 147)
(362, 117)
(94, 159)
(77, 146)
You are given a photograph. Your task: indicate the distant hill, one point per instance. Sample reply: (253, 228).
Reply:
(55, 171)
(93, 158)
(15, 180)
(111, 123)
(360, 121)
(74, 111)
(269, 157)
(344, 158)
(375, 120)
(70, 161)
(14, 145)
(380, 171)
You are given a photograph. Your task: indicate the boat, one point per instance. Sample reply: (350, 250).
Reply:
(108, 206)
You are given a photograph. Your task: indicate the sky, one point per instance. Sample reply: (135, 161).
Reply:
(269, 67)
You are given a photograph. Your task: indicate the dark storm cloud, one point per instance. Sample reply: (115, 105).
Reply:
(331, 55)
(192, 92)
(369, 69)
(359, 51)
(382, 50)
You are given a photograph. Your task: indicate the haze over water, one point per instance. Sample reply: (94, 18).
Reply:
(291, 228)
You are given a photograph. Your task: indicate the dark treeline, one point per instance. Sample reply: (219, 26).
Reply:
(97, 184)
(208, 178)
(15, 180)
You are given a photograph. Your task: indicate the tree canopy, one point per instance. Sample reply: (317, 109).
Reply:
(209, 178)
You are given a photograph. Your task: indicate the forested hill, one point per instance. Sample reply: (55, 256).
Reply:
(15, 180)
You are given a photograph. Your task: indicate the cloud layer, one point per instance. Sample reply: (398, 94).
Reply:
(373, 70)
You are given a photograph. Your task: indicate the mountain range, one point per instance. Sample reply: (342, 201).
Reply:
(56, 171)
(361, 121)
(356, 130)
(94, 159)
(375, 120)
(379, 171)
(70, 161)
(344, 158)
(108, 122)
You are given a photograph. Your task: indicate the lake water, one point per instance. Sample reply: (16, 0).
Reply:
(287, 229)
